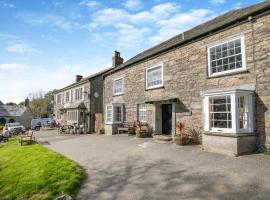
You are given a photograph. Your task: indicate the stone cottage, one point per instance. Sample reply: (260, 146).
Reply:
(214, 77)
(78, 103)
(16, 113)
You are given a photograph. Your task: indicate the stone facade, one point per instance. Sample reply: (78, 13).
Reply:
(90, 104)
(79, 105)
(16, 113)
(185, 77)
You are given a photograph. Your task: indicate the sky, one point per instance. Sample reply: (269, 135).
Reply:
(45, 43)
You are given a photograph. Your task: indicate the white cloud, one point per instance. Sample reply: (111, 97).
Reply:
(48, 19)
(180, 23)
(133, 4)
(6, 4)
(218, 1)
(21, 47)
(129, 36)
(90, 3)
(12, 67)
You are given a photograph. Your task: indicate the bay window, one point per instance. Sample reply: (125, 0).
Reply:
(226, 57)
(114, 113)
(229, 112)
(154, 77)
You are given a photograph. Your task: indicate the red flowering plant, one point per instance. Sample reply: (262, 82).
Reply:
(182, 137)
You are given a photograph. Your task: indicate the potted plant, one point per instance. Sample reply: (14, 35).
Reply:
(140, 132)
(181, 137)
(102, 130)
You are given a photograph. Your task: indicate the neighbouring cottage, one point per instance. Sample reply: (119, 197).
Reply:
(214, 77)
(78, 103)
(16, 113)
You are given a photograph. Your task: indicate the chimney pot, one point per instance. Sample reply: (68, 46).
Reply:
(78, 78)
(116, 59)
(26, 102)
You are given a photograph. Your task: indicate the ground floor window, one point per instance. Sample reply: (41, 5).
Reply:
(230, 111)
(72, 115)
(142, 112)
(114, 113)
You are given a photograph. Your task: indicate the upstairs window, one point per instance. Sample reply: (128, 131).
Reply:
(142, 112)
(226, 57)
(154, 77)
(229, 112)
(58, 98)
(67, 96)
(118, 86)
(78, 94)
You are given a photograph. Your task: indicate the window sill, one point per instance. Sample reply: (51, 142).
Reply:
(235, 135)
(153, 88)
(228, 74)
(119, 94)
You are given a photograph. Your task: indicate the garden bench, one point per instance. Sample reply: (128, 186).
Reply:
(29, 137)
(128, 127)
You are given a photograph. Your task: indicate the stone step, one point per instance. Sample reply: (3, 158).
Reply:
(162, 138)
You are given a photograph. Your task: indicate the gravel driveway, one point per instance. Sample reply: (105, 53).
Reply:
(123, 167)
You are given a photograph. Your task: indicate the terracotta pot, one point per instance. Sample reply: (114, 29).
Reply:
(181, 141)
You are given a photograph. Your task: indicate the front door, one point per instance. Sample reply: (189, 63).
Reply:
(166, 119)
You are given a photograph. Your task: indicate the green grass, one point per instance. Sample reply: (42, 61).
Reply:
(33, 172)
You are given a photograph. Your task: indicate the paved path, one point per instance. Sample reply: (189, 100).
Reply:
(122, 167)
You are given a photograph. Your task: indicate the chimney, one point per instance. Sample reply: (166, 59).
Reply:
(78, 78)
(116, 59)
(26, 102)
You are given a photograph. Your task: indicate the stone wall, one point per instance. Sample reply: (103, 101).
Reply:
(186, 76)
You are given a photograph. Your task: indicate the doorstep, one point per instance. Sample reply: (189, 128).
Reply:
(162, 138)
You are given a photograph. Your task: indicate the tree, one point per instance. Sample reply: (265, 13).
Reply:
(1, 103)
(11, 104)
(41, 105)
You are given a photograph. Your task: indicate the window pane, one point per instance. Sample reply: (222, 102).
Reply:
(118, 86)
(243, 112)
(226, 57)
(220, 112)
(118, 114)
(142, 113)
(154, 77)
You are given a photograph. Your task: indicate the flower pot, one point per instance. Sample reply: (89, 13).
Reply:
(181, 141)
(101, 131)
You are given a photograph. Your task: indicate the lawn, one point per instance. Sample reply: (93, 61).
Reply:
(33, 172)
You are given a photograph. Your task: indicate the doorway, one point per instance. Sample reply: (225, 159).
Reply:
(166, 119)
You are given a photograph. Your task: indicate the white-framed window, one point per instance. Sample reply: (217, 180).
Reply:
(78, 94)
(67, 96)
(142, 112)
(58, 98)
(71, 95)
(118, 86)
(227, 57)
(114, 113)
(229, 112)
(109, 114)
(154, 76)
(72, 116)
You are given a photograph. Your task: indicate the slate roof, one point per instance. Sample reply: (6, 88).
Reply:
(84, 80)
(211, 26)
(12, 110)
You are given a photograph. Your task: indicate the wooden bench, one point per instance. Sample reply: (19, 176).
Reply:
(29, 137)
(128, 127)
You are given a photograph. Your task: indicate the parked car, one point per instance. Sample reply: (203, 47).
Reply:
(14, 127)
(36, 123)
